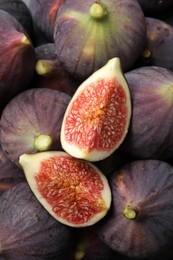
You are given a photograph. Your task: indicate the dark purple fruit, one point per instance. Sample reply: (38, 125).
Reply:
(17, 58)
(31, 122)
(89, 33)
(150, 132)
(140, 223)
(158, 49)
(43, 14)
(10, 174)
(50, 73)
(26, 229)
(20, 11)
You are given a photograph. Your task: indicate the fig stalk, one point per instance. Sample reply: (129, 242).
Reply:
(42, 142)
(130, 212)
(98, 10)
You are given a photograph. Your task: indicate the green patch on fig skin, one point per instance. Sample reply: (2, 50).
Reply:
(42, 142)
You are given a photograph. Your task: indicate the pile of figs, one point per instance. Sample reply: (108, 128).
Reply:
(86, 129)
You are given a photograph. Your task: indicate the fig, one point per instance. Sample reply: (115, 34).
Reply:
(43, 14)
(97, 117)
(28, 230)
(73, 191)
(140, 223)
(50, 73)
(10, 174)
(16, 54)
(88, 34)
(31, 122)
(20, 11)
(158, 49)
(150, 130)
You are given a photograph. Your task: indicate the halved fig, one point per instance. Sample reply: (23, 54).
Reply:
(139, 223)
(31, 122)
(97, 117)
(73, 191)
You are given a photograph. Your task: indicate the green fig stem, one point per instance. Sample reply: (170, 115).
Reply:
(45, 67)
(130, 213)
(97, 10)
(42, 142)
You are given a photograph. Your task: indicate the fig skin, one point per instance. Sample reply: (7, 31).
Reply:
(140, 223)
(26, 229)
(16, 54)
(10, 174)
(50, 73)
(150, 131)
(43, 14)
(20, 11)
(158, 49)
(33, 113)
(85, 43)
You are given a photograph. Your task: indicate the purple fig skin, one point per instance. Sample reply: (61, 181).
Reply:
(150, 131)
(140, 223)
(43, 14)
(158, 49)
(28, 115)
(10, 174)
(16, 54)
(84, 44)
(26, 228)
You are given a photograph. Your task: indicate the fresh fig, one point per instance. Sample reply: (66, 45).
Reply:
(10, 174)
(20, 11)
(50, 72)
(73, 191)
(150, 131)
(140, 223)
(43, 14)
(17, 58)
(27, 230)
(97, 117)
(31, 122)
(89, 33)
(158, 49)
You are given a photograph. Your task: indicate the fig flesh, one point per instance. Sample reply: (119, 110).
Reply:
(31, 122)
(74, 192)
(88, 34)
(97, 117)
(140, 223)
(27, 230)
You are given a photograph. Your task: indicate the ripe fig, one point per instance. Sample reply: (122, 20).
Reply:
(10, 174)
(27, 230)
(50, 73)
(31, 122)
(158, 49)
(43, 14)
(17, 58)
(140, 223)
(89, 33)
(20, 11)
(150, 131)
(73, 191)
(97, 117)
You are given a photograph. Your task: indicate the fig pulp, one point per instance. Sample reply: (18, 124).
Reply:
(73, 191)
(27, 230)
(31, 122)
(89, 33)
(140, 223)
(97, 117)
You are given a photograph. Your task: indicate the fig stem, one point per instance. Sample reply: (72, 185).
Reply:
(42, 142)
(45, 67)
(130, 213)
(97, 10)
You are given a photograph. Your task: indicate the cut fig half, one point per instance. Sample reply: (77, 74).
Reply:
(97, 118)
(73, 191)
